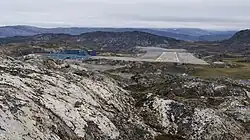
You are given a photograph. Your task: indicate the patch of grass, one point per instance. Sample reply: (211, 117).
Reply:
(241, 71)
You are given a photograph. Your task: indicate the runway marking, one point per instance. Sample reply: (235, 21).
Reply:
(168, 57)
(177, 57)
(159, 58)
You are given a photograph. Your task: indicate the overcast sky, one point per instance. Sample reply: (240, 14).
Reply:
(213, 14)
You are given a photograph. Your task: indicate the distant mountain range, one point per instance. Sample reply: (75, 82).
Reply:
(100, 41)
(119, 42)
(187, 34)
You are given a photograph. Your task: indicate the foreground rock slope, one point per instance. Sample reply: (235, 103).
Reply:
(44, 99)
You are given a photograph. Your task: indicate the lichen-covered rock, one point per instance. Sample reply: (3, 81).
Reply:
(40, 103)
(50, 100)
(192, 108)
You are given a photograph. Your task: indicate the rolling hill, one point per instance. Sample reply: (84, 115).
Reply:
(239, 42)
(188, 34)
(101, 41)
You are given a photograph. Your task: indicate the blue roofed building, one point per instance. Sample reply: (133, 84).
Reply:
(69, 54)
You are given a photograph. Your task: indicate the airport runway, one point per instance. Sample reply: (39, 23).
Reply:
(154, 54)
(168, 57)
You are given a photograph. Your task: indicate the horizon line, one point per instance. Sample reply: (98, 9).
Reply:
(115, 27)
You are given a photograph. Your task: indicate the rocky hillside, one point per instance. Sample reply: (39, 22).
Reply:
(97, 40)
(45, 99)
(125, 40)
(240, 37)
(239, 42)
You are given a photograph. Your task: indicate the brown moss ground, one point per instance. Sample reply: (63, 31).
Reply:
(241, 71)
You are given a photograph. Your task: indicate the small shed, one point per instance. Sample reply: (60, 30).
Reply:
(92, 52)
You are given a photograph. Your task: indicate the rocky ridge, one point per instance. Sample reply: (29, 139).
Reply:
(112, 41)
(45, 99)
(40, 103)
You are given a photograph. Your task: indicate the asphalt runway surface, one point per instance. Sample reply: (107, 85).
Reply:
(154, 54)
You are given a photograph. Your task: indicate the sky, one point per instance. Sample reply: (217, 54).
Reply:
(206, 14)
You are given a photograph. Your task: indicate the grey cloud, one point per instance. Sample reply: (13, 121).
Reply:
(129, 13)
(185, 19)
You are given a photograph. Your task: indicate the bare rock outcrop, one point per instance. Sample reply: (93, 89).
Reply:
(50, 100)
(41, 103)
